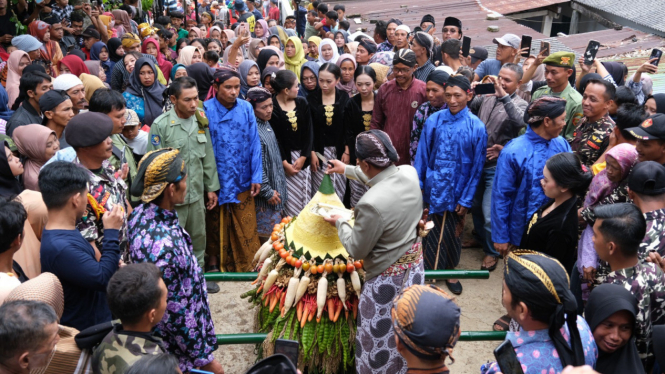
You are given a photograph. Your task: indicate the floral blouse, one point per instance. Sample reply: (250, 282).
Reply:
(419, 119)
(135, 103)
(187, 327)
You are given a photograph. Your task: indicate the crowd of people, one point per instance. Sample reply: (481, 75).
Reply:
(145, 149)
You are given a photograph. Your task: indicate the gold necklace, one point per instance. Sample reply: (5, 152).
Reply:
(329, 114)
(291, 115)
(367, 119)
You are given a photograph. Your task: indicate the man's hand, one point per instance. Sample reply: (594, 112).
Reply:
(256, 188)
(6, 39)
(114, 219)
(461, 210)
(494, 151)
(211, 200)
(337, 167)
(502, 248)
(500, 92)
(518, 56)
(332, 219)
(274, 200)
(589, 273)
(656, 259)
(87, 9)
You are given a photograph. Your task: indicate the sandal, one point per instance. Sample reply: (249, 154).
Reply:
(502, 324)
(491, 267)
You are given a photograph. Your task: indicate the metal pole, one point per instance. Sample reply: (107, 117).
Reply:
(429, 274)
(466, 336)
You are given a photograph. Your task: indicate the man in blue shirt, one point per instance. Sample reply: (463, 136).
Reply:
(237, 148)
(507, 48)
(449, 161)
(83, 271)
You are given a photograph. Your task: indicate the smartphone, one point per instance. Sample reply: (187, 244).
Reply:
(591, 51)
(197, 371)
(526, 43)
(506, 358)
(485, 89)
(656, 53)
(288, 348)
(545, 48)
(466, 46)
(428, 28)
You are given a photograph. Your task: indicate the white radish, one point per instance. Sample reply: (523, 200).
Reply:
(262, 249)
(304, 282)
(291, 289)
(341, 285)
(272, 276)
(322, 292)
(355, 278)
(264, 270)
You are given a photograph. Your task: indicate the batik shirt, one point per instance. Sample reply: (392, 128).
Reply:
(655, 230)
(187, 328)
(384, 47)
(105, 190)
(422, 114)
(647, 283)
(537, 354)
(590, 139)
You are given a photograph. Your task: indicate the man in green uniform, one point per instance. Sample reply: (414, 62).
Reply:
(185, 128)
(558, 68)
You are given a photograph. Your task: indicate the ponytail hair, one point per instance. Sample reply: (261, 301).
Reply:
(568, 172)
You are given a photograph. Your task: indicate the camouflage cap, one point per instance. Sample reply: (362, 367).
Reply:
(561, 59)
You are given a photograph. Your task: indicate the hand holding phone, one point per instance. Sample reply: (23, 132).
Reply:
(506, 358)
(656, 54)
(526, 45)
(466, 46)
(591, 51)
(545, 48)
(485, 89)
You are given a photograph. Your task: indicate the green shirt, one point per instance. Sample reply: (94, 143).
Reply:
(123, 153)
(195, 146)
(573, 106)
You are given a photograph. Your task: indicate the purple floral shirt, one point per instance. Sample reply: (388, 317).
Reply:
(536, 352)
(187, 327)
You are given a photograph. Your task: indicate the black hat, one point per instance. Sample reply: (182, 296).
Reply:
(652, 128)
(91, 32)
(51, 99)
(452, 21)
(88, 129)
(647, 178)
(478, 53)
(428, 18)
(177, 14)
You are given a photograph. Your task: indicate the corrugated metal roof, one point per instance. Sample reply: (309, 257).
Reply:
(514, 6)
(650, 13)
(613, 42)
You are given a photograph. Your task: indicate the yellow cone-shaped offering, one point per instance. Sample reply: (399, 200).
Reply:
(310, 234)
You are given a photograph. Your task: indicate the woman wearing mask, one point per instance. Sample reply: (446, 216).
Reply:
(272, 198)
(328, 52)
(18, 60)
(144, 93)
(553, 228)
(37, 144)
(347, 65)
(249, 77)
(309, 78)
(358, 116)
(151, 46)
(327, 107)
(611, 313)
(294, 55)
(292, 123)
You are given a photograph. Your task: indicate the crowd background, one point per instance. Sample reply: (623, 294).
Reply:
(180, 137)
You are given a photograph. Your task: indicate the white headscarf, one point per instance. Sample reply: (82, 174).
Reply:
(332, 44)
(66, 81)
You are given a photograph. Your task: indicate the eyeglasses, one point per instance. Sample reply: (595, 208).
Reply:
(401, 70)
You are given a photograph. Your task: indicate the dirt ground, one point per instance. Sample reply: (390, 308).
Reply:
(480, 303)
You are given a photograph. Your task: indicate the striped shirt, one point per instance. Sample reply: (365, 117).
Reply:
(423, 71)
(273, 170)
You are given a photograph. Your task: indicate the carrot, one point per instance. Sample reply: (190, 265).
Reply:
(331, 309)
(318, 319)
(299, 311)
(281, 304)
(338, 309)
(273, 302)
(258, 291)
(267, 300)
(355, 308)
(304, 316)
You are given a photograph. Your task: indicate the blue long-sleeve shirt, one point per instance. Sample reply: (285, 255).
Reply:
(237, 148)
(72, 259)
(516, 192)
(450, 158)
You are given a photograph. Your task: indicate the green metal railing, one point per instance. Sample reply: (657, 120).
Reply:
(466, 336)
(429, 274)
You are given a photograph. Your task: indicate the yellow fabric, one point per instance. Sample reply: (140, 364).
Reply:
(91, 84)
(597, 168)
(294, 64)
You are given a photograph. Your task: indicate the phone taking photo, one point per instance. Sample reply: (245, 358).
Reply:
(506, 358)
(591, 51)
(545, 48)
(657, 54)
(484, 89)
(288, 348)
(466, 46)
(526, 43)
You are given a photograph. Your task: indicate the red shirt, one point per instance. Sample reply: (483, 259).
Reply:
(393, 113)
(273, 13)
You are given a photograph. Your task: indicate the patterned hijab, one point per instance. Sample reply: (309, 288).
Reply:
(350, 86)
(601, 187)
(157, 170)
(376, 148)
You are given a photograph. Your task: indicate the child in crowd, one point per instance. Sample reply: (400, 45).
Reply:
(134, 135)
